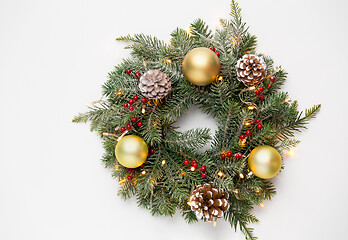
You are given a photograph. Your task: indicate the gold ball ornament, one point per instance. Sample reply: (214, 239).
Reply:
(201, 66)
(265, 161)
(131, 151)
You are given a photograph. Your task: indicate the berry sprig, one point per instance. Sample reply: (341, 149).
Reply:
(137, 74)
(214, 50)
(230, 155)
(134, 120)
(195, 166)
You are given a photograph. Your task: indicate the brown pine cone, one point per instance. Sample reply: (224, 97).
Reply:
(155, 84)
(209, 202)
(251, 70)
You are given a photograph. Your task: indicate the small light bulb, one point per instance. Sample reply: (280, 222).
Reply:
(291, 153)
(163, 162)
(220, 78)
(252, 88)
(122, 180)
(287, 99)
(189, 31)
(189, 202)
(247, 123)
(143, 172)
(143, 110)
(235, 191)
(261, 205)
(251, 107)
(214, 223)
(168, 61)
(220, 174)
(241, 175)
(119, 93)
(169, 43)
(192, 169)
(257, 190)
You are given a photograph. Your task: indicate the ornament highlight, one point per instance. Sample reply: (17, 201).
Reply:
(265, 161)
(201, 66)
(131, 151)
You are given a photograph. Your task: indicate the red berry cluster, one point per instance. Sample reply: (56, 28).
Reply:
(137, 74)
(151, 151)
(259, 125)
(131, 108)
(130, 170)
(230, 155)
(272, 79)
(259, 91)
(195, 165)
(214, 50)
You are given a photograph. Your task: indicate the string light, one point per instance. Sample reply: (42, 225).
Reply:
(261, 205)
(122, 180)
(220, 78)
(168, 60)
(220, 174)
(163, 162)
(241, 175)
(287, 99)
(189, 31)
(236, 191)
(214, 223)
(257, 190)
(291, 153)
(247, 123)
(143, 110)
(119, 93)
(143, 172)
(252, 88)
(192, 169)
(251, 107)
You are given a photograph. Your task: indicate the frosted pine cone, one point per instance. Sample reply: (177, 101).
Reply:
(209, 202)
(155, 84)
(251, 70)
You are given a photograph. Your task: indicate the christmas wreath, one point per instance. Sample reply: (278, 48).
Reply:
(222, 74)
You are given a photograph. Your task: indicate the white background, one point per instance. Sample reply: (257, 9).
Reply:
(54, 56)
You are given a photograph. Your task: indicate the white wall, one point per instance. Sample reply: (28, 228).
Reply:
(54, 56)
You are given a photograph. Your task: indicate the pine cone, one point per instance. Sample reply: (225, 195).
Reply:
(155, 84)
(251, 70)
(209, 202)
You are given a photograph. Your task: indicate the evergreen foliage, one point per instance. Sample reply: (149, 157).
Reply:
(165, 188)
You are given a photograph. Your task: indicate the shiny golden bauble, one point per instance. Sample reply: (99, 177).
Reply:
(131, 151)
(265, 161)
(201, 66)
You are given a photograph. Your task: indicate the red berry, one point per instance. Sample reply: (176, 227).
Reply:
(259, 126)
(134, 119)
(125, 105)
(140, 124)
(228, 154)
(252, 122)
(143, 100)
(186, 162)
(217, 54)
(257, 92)
(131, 101)
(242, 136)
(129, 178)
(128, 126)
(122, 129)
(152, 151)
(223, 156)
(131, 108)
(130, 170)
(137, 74)
(204, 175)
(195, 165)
(203, 168)
(261, 89)
(135, 98)
(262, 97)
(258, 120)
(149, 154)
(272, 79)
(238, 155)
(269, 85)
(248, 132)
(213, 49)
(194, 161)
(142, 165)
(128, 71)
